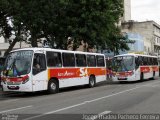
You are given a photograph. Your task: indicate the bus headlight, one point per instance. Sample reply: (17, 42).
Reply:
(25, 80)
(130, 73)
(4, 81)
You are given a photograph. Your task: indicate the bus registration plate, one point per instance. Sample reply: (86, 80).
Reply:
(122, 78)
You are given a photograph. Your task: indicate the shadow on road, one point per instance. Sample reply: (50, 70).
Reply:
(10, 95)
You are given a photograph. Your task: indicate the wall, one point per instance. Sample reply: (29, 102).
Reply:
(145, 29)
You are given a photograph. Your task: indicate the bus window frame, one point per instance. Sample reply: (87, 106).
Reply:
(85, 58)
(59, 57)
(36, 71)
(65, 61)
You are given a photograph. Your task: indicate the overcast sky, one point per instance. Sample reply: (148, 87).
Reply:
(142, 10)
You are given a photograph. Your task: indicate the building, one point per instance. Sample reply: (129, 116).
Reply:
(4, 44)
(127, 11)
(150, 31)
(135, 43)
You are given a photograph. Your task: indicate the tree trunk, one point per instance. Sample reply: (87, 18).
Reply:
(11, 46)
(34, 42)
(14, 41)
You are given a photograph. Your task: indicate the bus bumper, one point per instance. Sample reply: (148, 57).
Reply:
(16, 88)
(129, 78)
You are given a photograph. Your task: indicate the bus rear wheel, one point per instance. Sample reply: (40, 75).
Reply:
(92, 81)
(141, 77)
(153, 78)
(53, 86)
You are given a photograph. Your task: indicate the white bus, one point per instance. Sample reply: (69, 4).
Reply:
(37, 69)
(133, 67)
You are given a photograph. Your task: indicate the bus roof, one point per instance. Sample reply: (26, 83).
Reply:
(132, 54)
(50, 49)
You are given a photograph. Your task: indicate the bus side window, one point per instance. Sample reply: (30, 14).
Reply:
(140, 61)
(54, 59)
(81, 60)
(91, 60)
(144, 59)
(155, 61)
(39, 63)
(100, 61)
(68, 59)
(152, 61)
(137, 62)
(149, 63)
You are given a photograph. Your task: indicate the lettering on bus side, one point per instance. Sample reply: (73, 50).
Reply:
(83, 72)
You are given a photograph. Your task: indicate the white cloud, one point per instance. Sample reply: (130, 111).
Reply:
(145, 10)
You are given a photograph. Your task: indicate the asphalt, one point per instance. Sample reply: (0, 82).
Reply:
(136, 99)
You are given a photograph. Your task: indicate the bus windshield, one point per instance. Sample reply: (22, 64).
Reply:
(18, 63)
(123, 63)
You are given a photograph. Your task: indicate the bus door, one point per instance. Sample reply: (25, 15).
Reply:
(39, 72)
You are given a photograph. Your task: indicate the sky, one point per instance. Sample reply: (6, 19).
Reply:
(142, 10)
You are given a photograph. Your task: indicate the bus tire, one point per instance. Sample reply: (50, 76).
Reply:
(153, 76)
(141, 77)
(53, 86)
(92, 81)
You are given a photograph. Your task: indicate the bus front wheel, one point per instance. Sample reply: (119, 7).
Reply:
(92, 81)
(53, 86)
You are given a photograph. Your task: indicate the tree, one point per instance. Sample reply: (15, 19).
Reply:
(117, 42)
(94, 22)
(5, 28)
(90, 21)
(9, 23)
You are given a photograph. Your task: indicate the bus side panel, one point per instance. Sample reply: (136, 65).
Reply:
(40, 81)
(69, 76)
(76, 76)
(148, 71)
(156, 69)
(72, 82)
(100, 73)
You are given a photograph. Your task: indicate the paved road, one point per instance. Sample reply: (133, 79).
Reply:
(136, 98)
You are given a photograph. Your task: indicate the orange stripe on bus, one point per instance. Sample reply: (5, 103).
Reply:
(146, 69)
(62, 73)
(49, 76)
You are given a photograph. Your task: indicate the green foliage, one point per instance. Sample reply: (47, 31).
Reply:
(4, 14)
(93, 21)
(117, 42)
